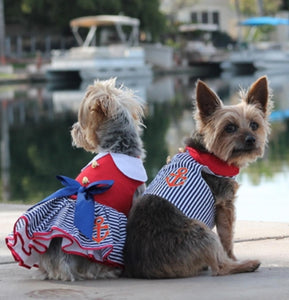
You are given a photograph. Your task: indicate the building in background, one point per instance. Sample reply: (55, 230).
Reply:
(221, 13)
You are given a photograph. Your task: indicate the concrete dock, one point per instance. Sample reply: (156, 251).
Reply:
(268, 242)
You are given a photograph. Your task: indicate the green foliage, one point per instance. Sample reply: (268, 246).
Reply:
(154, 135)
(39, 152)
(41, 148)
(55, 15)
(285, 5)
(250, 7)
(157, 123)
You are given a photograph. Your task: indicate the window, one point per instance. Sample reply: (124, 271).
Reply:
(216, 18)
(194, 17)
(205, 17)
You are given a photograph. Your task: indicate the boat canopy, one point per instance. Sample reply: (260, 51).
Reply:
(103, 20)
(92, 22)
(266, 20)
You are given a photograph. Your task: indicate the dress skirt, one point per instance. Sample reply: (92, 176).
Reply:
(35, 229)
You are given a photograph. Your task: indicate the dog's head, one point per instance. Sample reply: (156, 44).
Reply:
(102, 105)
(237, 133)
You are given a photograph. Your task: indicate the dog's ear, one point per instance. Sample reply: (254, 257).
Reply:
(258, 94)
(78, 138)
(83, 138)
(207, 100)
(97, 101)
(76, 134)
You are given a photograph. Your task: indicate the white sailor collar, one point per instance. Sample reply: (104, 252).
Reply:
(130, 166)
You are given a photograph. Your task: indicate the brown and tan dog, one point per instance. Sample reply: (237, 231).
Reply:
(169, 229)
(55, 235)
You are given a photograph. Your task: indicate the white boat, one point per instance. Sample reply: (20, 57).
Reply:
(260, 56)
(121, 58)
(197, 45)
(198, 51)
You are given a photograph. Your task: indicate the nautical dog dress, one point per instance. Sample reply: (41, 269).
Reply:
(89, 213)
(181, 183)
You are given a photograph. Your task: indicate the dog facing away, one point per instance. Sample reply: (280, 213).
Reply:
(79, 231)
(169, 230)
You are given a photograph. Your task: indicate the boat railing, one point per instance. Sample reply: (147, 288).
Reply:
(113, 50)
(268, 45)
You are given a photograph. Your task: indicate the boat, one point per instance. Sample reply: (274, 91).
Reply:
(198, 49)
(118, 53)
(269, 56)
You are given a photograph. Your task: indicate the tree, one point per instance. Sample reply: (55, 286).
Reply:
(55, 15)
(257, 7)
(2, 34)
(285, 5)
(175, 5)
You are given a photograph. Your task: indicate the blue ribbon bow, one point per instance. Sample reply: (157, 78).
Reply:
(84, 207)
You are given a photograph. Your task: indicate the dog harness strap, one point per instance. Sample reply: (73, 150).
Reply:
(84, 207)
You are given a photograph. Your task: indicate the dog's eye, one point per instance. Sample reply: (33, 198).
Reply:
(254, 126)
(231, 128)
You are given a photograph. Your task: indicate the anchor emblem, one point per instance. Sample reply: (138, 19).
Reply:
(178, 178)
(98, 226)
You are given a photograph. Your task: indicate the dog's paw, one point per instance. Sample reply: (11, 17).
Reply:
(40, 275)
(253, 265)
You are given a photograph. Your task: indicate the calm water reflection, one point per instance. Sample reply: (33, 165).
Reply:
(36, 144)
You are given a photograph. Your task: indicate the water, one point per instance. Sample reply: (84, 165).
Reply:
(36, 143)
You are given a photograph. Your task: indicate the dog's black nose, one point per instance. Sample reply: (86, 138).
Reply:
(250, 140)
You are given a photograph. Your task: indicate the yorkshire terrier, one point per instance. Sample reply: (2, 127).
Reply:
(79, 231)
(169, 230)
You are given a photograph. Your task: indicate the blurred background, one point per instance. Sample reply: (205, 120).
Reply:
(50, 51)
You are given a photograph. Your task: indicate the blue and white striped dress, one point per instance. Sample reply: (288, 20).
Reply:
(34, 230)
(181, 183)
(55, 217)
